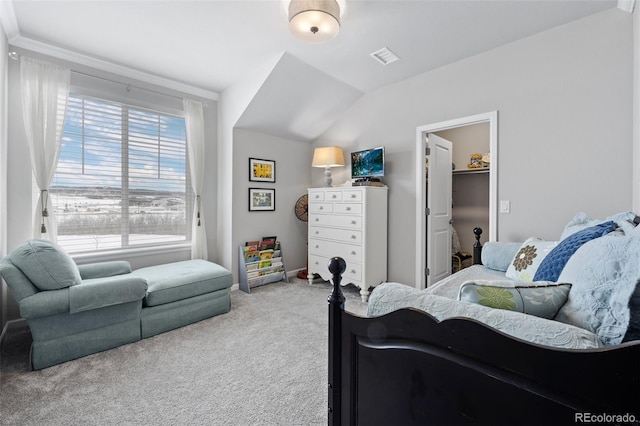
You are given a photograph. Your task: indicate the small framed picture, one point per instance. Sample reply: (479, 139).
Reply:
(262, 170)
(261, 200)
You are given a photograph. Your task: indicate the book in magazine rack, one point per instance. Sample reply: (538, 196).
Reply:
(260, 263)
(406, 368)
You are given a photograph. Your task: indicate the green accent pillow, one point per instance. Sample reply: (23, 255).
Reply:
(46, 265)
(542, 299)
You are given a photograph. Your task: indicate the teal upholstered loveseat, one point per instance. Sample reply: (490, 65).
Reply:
(74, 311)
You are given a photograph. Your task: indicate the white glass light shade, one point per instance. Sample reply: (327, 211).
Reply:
(314, 21)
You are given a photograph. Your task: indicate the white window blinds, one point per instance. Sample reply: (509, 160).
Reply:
(122, 178)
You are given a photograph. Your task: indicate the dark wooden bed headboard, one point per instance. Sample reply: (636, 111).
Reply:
(407, 368)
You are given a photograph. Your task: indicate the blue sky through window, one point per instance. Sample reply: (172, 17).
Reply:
(94, 140)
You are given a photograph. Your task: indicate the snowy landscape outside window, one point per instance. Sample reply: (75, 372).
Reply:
(122, 178)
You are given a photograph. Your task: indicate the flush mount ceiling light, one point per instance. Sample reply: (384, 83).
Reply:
(314, 21)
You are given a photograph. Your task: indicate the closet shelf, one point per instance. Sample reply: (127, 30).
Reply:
(470, 171)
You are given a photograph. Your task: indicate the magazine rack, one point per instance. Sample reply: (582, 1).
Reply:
(260, 267)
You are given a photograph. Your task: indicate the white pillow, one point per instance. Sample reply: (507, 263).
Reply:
(525, 263)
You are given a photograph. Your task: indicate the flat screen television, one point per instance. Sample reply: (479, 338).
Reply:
(368, 163)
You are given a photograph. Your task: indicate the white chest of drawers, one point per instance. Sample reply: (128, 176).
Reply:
(349, 222)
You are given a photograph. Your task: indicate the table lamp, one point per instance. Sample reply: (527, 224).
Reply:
(327, 157)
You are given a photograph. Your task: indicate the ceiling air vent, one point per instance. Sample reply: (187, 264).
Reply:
(384, 56)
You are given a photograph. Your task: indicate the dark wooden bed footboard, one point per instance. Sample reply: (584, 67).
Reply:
(407, 368)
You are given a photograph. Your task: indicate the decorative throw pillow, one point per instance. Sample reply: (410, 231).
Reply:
(580, 221)
(46, 264)
(605, 274)
(498, 255)
(542, 299)
(552, 265)
(525, 263)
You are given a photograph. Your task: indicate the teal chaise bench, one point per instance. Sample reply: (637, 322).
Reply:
(76, 310)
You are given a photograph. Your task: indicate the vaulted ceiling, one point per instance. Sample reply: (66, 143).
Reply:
(202, 47)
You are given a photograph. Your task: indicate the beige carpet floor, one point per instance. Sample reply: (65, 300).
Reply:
(265, 362)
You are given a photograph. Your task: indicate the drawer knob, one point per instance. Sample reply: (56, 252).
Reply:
(333, 196)
(317, 246)
(348, 208)
(317, 232)
(353, 252)
(317, 219)
(353, 271)
(353, 222)
(320, 208)
(353, 237)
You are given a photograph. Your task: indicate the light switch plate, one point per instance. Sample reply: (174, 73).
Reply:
(505, 206)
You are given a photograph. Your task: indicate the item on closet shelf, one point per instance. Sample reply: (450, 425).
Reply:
(475, 162)
(486, 159)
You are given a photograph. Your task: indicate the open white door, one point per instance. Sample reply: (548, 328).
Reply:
(422, 243)
(439, 199)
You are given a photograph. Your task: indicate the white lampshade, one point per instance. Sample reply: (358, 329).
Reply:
(314, 21)
(327, 157)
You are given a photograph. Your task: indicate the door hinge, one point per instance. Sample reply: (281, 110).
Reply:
(427, 211)
(426, 272)
(427, 151)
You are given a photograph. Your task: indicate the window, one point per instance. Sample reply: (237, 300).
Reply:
(122, 178)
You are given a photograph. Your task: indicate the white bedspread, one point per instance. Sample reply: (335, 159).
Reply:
(440, 301)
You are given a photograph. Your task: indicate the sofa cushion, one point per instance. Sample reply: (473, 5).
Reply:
(96, 293)
(605, 273)
(552, 265)
(542, 299)
(18, 283)
(45, 303)
(181, 280)
(525, 263)
(46, 264)
(104, 269)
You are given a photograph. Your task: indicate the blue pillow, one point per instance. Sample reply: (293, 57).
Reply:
(46, 265)
(552, 265)
(604, 276)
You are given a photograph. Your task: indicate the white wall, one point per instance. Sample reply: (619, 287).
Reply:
(3, 168)
(564, 136)
(232, 104)
(293, 164)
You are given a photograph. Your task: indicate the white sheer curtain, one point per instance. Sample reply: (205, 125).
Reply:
(194, 122)
(45, 90)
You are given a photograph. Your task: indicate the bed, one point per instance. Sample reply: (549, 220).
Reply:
(406, 367)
